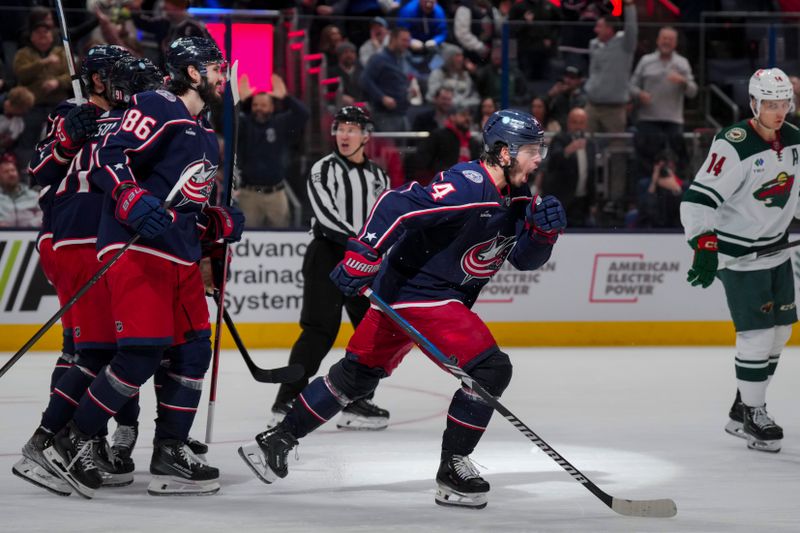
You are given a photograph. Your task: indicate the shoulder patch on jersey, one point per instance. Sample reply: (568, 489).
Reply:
(167, 95)
(736, 135)
(473, 176)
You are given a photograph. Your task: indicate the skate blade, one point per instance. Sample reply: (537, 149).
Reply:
(59, 467)
(736, 429)
(349, 422)
(116, 480)
(255, 460)
(35, 474)
(448, 497)
(771, 446)
(178, 486)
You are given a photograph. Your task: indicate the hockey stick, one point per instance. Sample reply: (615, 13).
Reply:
(76, 83)
(232, 105)
(646, 508)
(761, 253)
(88, 285)
(284, 374)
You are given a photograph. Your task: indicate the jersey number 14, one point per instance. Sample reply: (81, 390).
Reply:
(715, 166)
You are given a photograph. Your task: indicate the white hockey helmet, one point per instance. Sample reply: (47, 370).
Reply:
(769, 84)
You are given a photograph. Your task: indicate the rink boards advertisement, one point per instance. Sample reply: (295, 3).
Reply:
(597, 289)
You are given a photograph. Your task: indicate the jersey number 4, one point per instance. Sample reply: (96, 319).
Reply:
(138, 124)
(715, 166)
(440, 190)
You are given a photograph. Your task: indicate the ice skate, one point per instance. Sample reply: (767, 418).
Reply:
(763, 434)
(267, 456)
(200, 449)
(278, 413)
(33, 467)
(736, 418)
(364, 415)
(71, 456)
(460, 484)
(123, 441)
(177, 471)
(114, 471)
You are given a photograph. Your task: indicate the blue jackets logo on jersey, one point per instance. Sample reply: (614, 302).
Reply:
(198, 188)
(486, 258)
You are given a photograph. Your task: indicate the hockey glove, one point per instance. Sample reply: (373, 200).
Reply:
(358, 268)
(140, 210)
(547, 219)
(226, 223)
(705, 262)
(214, 253)
(77, 126)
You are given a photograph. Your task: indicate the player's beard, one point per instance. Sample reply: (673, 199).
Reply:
(208, 93)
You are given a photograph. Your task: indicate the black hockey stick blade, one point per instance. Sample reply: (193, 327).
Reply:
(284, 374)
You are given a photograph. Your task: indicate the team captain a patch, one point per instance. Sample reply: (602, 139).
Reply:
(473, 176)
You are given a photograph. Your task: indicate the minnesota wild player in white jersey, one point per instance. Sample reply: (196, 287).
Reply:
(742, 200)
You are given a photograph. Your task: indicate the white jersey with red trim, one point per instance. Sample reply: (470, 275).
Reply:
(156, 143)
(445, 241)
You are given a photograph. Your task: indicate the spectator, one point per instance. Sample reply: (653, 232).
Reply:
(608, 89)
(454, 75)
(436, 117)
(348, 70)
(660, 194)
(475, 26)
(358, 10)
(386, 83)
(575, 37)
(19, 204)
(175, 22)
(115, 26)
(570, 170)
(489, 79)
(486, 108)
(330, 37)
(660, 82)
(540, 112)
(536, 39)
(378, 39)
(427, 22)
(13, 108)
(448, 145)
(566, 95)
(264, 137)
(41, 66)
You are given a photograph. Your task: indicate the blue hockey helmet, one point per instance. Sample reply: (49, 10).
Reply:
(131, 75)
(194, 51)
(99, 59)
(513, 129)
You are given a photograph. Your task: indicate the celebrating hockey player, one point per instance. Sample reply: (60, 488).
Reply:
(428, 251)
(742, 200)
(343, 187)
(157, 294)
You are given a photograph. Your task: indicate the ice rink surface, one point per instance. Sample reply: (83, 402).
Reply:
(640, 422)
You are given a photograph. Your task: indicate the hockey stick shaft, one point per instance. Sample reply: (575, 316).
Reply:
(76, 84)
(284, 374)
(85, 288)
(227, 198)
(647, 508)
(761, 253)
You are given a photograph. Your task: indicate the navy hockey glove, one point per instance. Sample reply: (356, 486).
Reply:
(140, 210)
(77, 126)
(547, 219)
(705, 262)
(226, 223)
(358, 268)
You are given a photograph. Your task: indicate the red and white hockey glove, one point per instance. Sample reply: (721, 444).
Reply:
(77, 126)
(359, 267)
(226, 223)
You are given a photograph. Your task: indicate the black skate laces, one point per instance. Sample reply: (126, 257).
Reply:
(465, 467)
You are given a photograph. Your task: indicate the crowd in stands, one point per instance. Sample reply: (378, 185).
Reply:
(585, 71)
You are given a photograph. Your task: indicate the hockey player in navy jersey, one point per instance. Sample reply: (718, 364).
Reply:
(428, 251)
(75, 216)
(158, 298)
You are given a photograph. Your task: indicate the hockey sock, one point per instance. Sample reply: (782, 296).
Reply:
(65, 396)
(65, 360)
(181, 387)
(467, 419)
(128, 415)
(752, 364)
(317, 404)
(114, 387)
(782, 335)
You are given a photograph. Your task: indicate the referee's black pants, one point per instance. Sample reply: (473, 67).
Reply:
(321, 315)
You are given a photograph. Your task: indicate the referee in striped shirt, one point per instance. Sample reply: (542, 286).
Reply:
(343, 187)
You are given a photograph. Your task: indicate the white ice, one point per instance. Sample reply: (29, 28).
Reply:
(640, 422)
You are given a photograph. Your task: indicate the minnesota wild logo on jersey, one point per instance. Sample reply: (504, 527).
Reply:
(776, 192)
